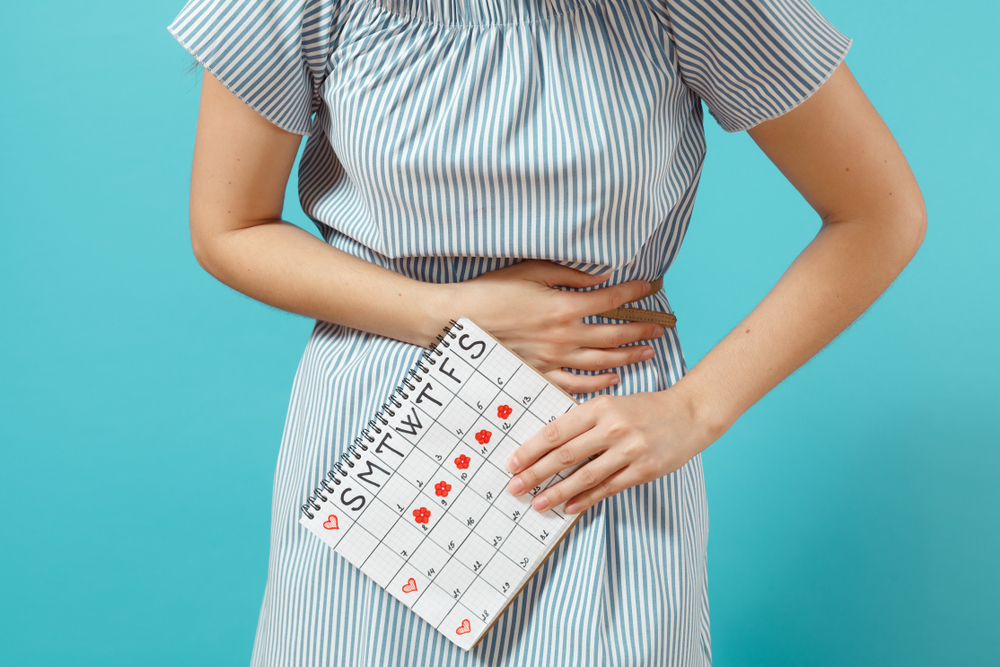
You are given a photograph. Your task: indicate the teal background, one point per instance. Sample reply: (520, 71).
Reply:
(855, 511)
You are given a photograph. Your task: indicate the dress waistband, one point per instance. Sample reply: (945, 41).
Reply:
(641, 314)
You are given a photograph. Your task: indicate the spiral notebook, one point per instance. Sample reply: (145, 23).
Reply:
(419, 502)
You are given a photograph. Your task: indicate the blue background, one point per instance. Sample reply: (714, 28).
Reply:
(855, 511)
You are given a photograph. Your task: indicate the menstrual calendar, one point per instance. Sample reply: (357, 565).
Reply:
(420, 503)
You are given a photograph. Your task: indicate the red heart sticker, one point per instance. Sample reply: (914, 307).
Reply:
(331, 523)
(464, 628)
(410, 586)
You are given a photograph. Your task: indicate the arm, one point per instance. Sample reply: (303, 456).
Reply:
(837, 152)
(842, 158)
(241, 167)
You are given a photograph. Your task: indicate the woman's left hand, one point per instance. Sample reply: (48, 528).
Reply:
(636, 438)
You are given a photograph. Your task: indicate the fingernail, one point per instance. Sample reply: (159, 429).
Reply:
(512, 464)
(614, 380)
(645, 290)
(648, 354)
(572, 508)
(540, 503)
(515, 487)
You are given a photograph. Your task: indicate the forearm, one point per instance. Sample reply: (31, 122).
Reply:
(832, 282)
(837, 152)
(288, 268)
(240, 170)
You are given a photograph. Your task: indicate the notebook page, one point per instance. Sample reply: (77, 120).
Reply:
(424, 511)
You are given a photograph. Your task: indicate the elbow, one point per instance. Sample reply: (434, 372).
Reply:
(900, 226)
(912, 225)
(900, 236)
(200, 250)
(894, 228)
(201, 245)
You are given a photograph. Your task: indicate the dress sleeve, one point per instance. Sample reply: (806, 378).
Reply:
(753, 60)
(271, 53)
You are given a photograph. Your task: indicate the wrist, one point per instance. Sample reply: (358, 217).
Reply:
(708, 415)
(440, 303)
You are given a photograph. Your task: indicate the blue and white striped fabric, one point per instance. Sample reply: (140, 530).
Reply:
(452, 137)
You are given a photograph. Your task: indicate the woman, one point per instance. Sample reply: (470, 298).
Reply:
(528, 164)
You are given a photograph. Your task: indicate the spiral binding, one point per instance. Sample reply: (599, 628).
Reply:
(332, 479)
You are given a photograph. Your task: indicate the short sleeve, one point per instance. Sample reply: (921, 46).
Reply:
(753, 60)
(271, 53)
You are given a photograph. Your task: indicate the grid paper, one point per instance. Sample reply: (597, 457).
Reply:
(424, 510)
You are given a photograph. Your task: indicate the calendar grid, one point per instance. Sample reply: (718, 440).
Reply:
(475, 400)
(487, 462)
(381, 540)
(395, 472)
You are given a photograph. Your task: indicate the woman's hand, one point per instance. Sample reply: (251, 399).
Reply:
(240, 170)
(633, 439)
(838, 153)
(521, 307)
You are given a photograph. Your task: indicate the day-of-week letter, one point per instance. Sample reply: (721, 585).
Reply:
(424, 394)
(385, 438)
(450, 372)
(414, 424)
(366, 476)
(355, 503)
(474, 355)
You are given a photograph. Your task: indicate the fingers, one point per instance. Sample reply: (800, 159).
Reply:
(617, 482)
(595, 347)
(591, 302)
(568, 426)
(608, 298)
(602, 477)
(616, 335)
(581, 384)
(576, 451)
(551, 274)
(587, 359)
(599, 360)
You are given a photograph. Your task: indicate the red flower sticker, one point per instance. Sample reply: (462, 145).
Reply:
(462, 462)
(441, 489)
(504, 411)
(422, 515)
(483, 437)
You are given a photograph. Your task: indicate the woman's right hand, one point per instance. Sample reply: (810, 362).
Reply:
(239, 176)
(521, 307)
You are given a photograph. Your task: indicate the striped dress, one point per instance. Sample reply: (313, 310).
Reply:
(447, 138)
